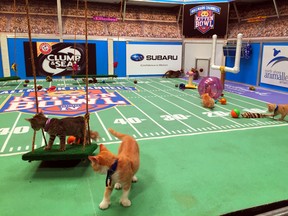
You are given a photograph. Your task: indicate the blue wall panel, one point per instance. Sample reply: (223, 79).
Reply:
(248, 67)
(119, 50)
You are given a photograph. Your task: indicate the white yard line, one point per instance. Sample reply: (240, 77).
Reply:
(103, 126)
(149, 116)
(165, 111)
(235, 122)
(128, 121)
(179, 108)
(11, 132)
(242, 101)
(18, 85)
(222, 107)
(202, 132)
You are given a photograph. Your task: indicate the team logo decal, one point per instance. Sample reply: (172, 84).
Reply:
(45, 48)
(204, 18)
(64, 102)
(137, 57)
(277, 58)
(60, 58)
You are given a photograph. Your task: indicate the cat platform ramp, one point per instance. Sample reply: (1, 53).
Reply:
(73, 152)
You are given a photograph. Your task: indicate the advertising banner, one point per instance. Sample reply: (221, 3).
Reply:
(205, 19)
(148, 59)
(60, 59)
(274, 65)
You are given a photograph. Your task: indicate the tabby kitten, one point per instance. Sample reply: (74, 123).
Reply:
(120, 169)
(281, 109)
(69, 126)
(173, 74)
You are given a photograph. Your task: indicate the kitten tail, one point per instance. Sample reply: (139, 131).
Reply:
(116, 134)
(94, 135)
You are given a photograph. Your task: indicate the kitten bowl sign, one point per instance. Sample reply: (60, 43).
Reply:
(68, 101)
(274, 65)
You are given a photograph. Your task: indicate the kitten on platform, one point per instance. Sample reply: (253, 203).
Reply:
(69, 126)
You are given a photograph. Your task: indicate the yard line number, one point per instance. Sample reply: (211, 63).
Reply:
(17, 130)
(135, 120)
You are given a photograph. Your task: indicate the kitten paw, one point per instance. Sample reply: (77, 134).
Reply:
(125, 203)
(104, 205)
(47, 148)
(134, 179)
(117, 186)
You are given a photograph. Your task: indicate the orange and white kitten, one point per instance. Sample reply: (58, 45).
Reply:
(120, 169)
(207, 101)
(281, 109)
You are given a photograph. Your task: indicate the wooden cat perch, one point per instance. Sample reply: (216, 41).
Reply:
(72, 152)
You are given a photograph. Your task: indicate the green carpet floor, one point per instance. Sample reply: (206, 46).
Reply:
(194, 175)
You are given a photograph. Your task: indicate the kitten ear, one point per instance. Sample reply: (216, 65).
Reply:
(103, 148)
(92, 158)
(28, 119)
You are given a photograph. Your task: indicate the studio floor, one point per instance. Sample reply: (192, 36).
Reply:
(194, 161)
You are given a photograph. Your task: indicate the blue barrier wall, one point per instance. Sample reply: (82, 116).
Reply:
(119, 49)
(101, 55)
(248, 67)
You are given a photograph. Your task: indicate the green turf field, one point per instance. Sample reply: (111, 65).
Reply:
(194, 161)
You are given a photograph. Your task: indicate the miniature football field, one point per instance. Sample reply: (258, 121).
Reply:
(194, 161)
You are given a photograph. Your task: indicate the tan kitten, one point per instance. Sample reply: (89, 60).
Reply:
(120, 169)
(278, 109)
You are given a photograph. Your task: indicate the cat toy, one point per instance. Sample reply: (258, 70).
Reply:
(72, 140)
(255, 115)
(49, 79)
(75, 67)
(51, 89)
(14, 67)
(235, 113)
(190, 85)
(222, 100)
(182, 86)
